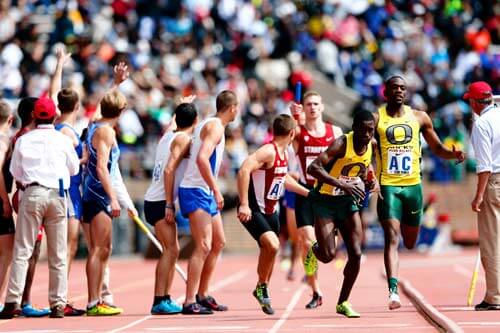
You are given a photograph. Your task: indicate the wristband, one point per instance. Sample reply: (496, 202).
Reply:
(169, 206)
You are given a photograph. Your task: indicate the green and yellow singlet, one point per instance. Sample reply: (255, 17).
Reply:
(348, 167)
(399, 151)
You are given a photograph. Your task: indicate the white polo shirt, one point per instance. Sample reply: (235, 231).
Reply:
(485, 139)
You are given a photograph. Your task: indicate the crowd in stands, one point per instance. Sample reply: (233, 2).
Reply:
(257, 48)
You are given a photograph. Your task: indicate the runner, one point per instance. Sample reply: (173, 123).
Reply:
(337, 199)
(312, 138)
(68, 105)
(261, 182)
(103, 193)
(399, 208)
(159, 202)
(201, 200)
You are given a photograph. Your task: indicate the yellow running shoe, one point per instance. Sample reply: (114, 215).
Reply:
(310, 262)
(103, 310)
(345, 308)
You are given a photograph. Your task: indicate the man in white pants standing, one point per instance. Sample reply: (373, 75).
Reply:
(43, 161)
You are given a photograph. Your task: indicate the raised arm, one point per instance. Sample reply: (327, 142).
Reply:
(120, 74)
(178, 150)
(433, 141)
(56, 80)
(260, 158)
(211, 135)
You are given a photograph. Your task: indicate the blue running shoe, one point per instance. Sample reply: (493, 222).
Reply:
(167, 306)
(29, 311)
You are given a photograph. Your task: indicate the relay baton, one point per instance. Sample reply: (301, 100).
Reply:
(298, 92)
(473, 282)
(153, 239)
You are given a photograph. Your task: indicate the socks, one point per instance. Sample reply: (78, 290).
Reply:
(393, 284)
(91, 304)
(158, 299)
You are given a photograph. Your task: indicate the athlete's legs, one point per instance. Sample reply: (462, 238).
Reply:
(325, 234)
(293, 236)
(391, 242)
(100, 235)
(31, 271)
(352, 233)
(165, 268)
(6, 248)
(218, 241)
(269, 245)
(73, 231)
(307, 239)
(201, 232)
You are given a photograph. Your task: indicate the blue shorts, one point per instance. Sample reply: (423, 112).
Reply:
(93, 207)
(75, 203)
(289, 199)
(191, 199)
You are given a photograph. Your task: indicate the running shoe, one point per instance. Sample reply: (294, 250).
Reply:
(196, 309)
(1, 307)
(70, 311)
(30, 311)
(103, 310)
(211, 303)
(345, 308)
(167, 306)
(394, 300)
(261, 293)
(485, 306)
(317, 300)
(311, 262)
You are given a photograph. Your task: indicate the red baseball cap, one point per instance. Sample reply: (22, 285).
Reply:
(478, 90)
(44, 109)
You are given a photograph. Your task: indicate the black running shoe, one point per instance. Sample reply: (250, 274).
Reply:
(210, 303)
(195, 309)
(484, 306)
(316, 301)
(262, 295)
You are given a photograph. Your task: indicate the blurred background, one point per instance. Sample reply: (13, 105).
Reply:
(344, 49)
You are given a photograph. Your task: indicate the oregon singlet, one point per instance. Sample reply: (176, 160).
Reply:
(156, 191)
(348, 167)
(398, 158)
(192, 177)
(267, 185)
(309, 147)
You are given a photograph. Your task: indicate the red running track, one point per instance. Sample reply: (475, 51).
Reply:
(441, 280)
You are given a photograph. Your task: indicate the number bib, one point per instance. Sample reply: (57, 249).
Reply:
(399, 161)
(157, 171)
(277, 188)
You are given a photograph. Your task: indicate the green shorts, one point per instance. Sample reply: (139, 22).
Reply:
(337, 208)
(403, 203)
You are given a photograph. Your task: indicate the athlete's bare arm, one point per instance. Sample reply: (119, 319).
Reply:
(210, 136)
(292, 185)
(179, 149)
(7, 210)
(433, 141)
(261, 158)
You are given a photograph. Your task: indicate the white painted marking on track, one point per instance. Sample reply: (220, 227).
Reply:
(132, 324)
(357, 326)
(456, 308)
(467, 273)
(221, 284)
(198, 328)
(480, 323)
(289, 309)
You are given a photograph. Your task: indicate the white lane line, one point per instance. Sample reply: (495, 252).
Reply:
(198, 328)
(456, 308)
(221, 284)
(358, 326)
(288, 310)
(479, 323)
(467, 273)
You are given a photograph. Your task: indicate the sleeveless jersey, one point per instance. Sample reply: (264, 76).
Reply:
(399, 150)
(348, 168)
(192, 177)
(268, 185)
(76, 180)
(309, 148)
(156, 191)
(92, 188)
